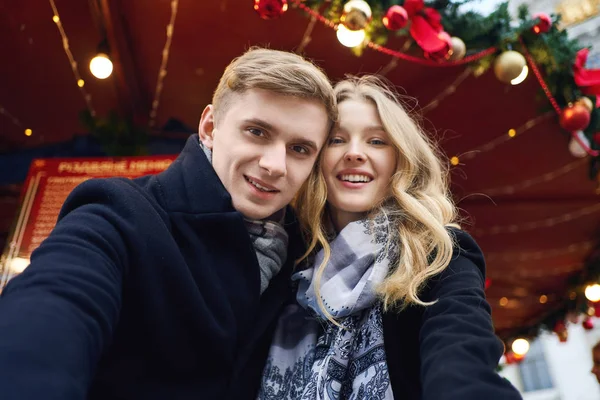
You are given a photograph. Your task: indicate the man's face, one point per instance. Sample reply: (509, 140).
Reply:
(264, 146)
(596, 367)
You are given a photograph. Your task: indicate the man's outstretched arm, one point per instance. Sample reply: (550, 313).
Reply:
(58, 316)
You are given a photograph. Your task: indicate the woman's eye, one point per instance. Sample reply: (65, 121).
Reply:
(378, 142)
(335, 140)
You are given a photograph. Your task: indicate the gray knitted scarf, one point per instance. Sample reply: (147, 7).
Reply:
(313, 359)
(269, 238)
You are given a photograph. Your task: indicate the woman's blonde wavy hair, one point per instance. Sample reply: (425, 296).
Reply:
(419, 198)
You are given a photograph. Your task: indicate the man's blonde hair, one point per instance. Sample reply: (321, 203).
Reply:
(419, 204)
(276, 71)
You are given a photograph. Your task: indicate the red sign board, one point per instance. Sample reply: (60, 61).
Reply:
(48, 184)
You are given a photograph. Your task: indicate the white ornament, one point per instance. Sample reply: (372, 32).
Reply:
(575, 147)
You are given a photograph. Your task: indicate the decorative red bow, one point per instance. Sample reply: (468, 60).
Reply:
(587, 79)
(426, 26)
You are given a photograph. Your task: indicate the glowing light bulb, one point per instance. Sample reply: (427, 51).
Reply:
(350, 38)
(520, 346)
(101, 66)
(18, 264)
(592, 292)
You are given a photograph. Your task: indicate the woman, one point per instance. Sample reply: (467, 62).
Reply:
(393, 306)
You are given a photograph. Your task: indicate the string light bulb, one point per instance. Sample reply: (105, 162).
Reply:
(28, 132)
(592, 292)
(512, 133)
(520, 346)
(454, 161)
(350, 38)
(65, 44)
(80, 82)
(101, 66)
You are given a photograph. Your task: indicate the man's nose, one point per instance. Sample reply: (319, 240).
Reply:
(274, 161)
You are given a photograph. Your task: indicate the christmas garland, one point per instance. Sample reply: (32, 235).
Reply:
(440, 34)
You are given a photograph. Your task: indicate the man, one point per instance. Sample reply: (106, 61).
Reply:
(165, 287)
(596, 361)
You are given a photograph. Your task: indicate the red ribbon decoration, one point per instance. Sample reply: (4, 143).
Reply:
(587, 79)
(398, 54)
(426, 26)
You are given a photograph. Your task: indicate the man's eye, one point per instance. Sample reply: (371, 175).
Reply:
(300, 149)
(256, 131)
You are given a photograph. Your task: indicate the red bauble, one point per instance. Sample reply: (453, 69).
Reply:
(488, 282)
(395, 18)
(269, 9)
(563, 336)
(444, 53)
(575, 118)
(545, 23)
(588, 324)
(510, 357)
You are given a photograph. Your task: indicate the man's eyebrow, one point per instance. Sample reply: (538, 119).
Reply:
(260, 122)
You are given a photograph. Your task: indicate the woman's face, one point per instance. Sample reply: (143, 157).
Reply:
(358, 162)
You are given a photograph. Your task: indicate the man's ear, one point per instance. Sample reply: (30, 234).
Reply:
(206, 127)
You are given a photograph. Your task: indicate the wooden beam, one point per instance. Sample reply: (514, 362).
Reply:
(132, 99)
